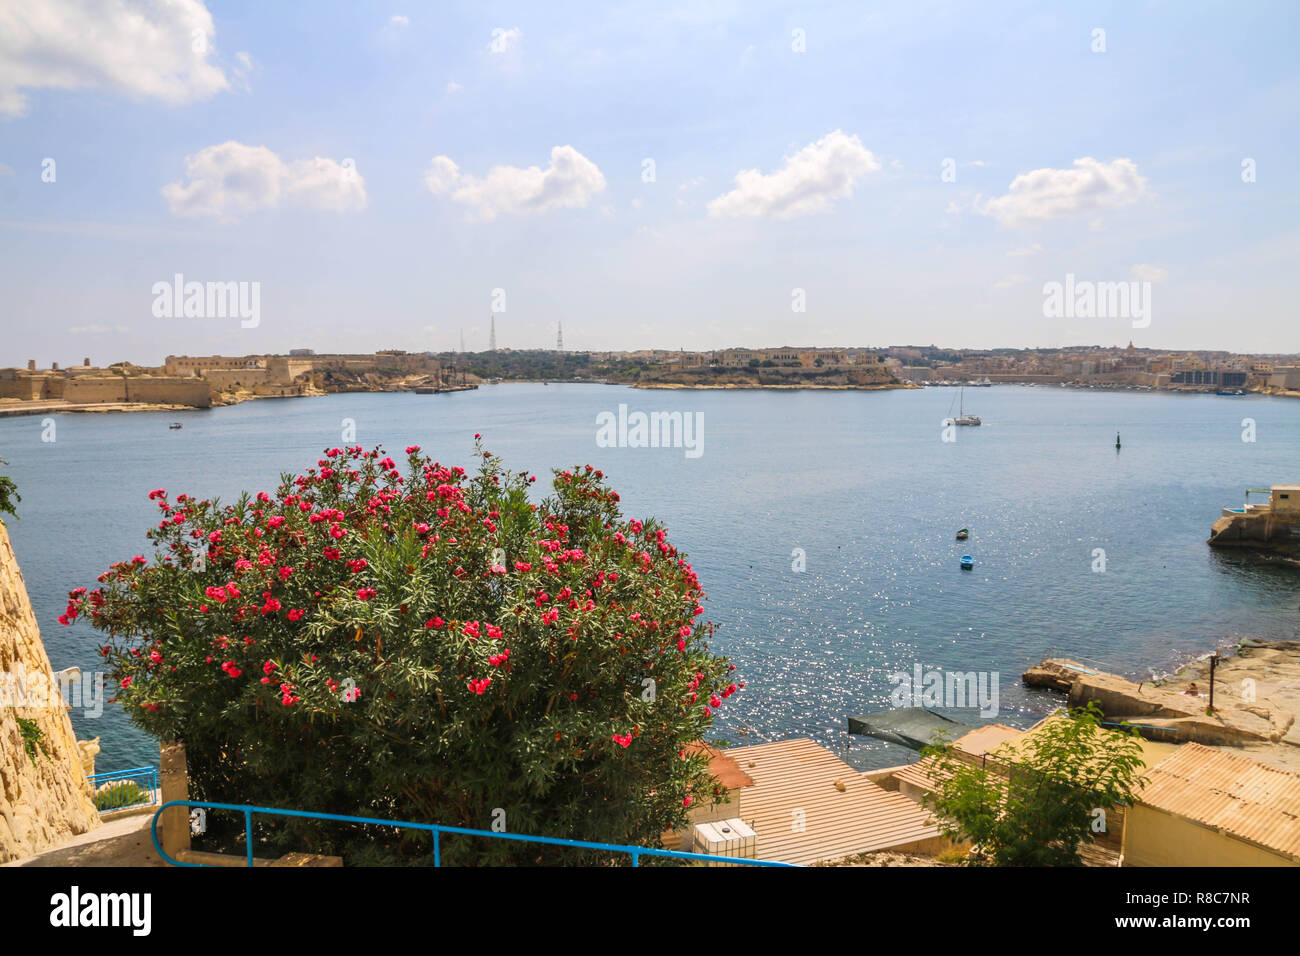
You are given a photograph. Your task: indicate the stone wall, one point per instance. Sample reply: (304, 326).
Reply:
(228, 379)
(161, 390)
(28, 387)
(45, 799)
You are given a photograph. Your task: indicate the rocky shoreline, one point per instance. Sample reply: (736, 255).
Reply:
(58, 408)
(1256, 699)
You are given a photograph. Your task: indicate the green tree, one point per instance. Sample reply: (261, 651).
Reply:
(1036, 803)
(430, 646)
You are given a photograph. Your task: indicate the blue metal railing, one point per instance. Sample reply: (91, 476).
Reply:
(123, 789)
(437, 829)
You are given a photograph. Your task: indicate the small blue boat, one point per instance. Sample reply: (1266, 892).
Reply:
(967, 562)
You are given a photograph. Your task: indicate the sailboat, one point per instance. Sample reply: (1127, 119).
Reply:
(962, 418)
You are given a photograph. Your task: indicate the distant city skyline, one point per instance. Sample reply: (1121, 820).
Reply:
(307, 351)
(678, 175)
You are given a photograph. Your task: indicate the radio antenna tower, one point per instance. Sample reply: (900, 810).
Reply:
(492, 334)
(559, 337)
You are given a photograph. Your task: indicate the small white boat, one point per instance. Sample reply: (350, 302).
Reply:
(962, 418)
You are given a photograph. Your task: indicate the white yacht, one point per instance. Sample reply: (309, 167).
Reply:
(962, 418)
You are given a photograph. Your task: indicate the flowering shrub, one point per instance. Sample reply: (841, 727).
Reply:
(428, 646)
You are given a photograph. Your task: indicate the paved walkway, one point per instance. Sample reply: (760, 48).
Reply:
(123, 842)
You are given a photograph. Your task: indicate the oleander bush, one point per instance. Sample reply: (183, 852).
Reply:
(428, 645)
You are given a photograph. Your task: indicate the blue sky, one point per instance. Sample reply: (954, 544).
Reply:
(342, 156)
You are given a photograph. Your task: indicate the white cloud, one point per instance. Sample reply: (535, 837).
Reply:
(1031, 250)
(570, 181)
(231, 180)
(97, 329)
(398, 20)
(505, 41)
(1043, 194)
(156, 49)
(243, 66)
(5, 170)
(809, 181)
(1010, 281)
(1144, 272)
(453, 87)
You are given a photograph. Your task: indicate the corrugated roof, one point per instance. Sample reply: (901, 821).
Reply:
(977, 743)
(986, 739)
(722, 766)
(1250, 800)
(799, 775)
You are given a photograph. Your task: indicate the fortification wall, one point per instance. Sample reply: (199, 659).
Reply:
(168, 391)
(227, 379)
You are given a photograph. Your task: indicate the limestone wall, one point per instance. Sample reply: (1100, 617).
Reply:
(227, 379)
(159, 389)
(27, 387)
(45, 800)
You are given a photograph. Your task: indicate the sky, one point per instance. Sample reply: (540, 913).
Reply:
(691, 175)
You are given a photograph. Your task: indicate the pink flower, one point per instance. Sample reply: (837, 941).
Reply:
(365, 594)
(275, 521)
(435, 623)
(296, 614)
(126, 681)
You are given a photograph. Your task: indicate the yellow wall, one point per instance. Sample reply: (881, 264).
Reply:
(1288, 507)
(1155, 838)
